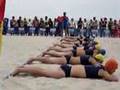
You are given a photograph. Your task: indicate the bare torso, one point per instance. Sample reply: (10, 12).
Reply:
(78, 71)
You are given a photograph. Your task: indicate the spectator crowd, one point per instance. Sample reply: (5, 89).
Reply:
(62, 25)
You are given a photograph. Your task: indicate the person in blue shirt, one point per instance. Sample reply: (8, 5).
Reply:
(65, 24)
(5, 26)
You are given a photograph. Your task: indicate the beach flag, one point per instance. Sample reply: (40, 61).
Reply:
(2, 10)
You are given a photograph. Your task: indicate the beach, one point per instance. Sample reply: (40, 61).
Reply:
(17, 49)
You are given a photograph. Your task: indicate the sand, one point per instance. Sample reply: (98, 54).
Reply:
(16, 51)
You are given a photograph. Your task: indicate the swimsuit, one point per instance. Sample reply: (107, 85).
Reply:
(68, 59)
(67, 69)
(84, 60)
(92, 71)
(74, 51)
(89, 52)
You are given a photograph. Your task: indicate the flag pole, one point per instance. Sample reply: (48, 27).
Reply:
(2, 12)
(1, 29)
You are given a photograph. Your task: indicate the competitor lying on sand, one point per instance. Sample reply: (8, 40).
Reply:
(77, 71)
(84, 60)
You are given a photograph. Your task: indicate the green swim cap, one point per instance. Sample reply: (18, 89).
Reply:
(99, 58)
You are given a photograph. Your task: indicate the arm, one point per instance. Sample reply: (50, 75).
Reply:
(108, 77)
(93, 61)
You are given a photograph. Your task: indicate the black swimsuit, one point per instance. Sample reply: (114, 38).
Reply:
(74, 51)
(74, 47)
(92, 71)
(89, 52)
(67, 69)
(84, 60)
(68, 59)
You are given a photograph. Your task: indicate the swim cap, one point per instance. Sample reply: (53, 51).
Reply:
(97, 42)
(111, 64)
(102, 51)
(99, 58)
(89, 52)
(98, 46)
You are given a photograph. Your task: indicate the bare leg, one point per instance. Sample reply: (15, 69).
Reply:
(54, 72)
(59, 49)
(58, 54)
(64, 45)
(54, 60)
(48, 60)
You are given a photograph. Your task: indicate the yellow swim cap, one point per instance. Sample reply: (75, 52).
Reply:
(98, 42)
(98, 46)
(99, 58)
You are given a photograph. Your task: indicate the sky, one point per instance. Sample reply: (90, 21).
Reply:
(54, 8)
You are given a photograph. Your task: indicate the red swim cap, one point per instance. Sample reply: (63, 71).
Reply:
(111, 65)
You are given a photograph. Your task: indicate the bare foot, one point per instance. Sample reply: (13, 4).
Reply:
(16, 72)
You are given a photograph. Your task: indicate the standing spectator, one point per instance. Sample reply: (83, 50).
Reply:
(65, 24)
(36, 25)
(79, 25)
(85, 27)
(95, 26)
(55, 24)
(47, 29)
(90, 28)
(119, 25)
(72, 27)
(59, 28)
(105, 26)
(115, 29)
(41, 24)
(20, 26)
(50, 23)
(29, 27)
(26, 26)
(119, 28)
(13, 23)
(5, 26)
(16, 28)
(110, 25)
(102, 25)
(20, 22)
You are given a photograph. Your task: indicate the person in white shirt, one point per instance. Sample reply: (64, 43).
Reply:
(72, 27)
(85, 27)
(29, 27)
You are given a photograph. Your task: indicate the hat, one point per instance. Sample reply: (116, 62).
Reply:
(99, 58)
(111, 65)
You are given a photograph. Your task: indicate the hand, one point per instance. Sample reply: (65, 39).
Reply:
(30, 60)
(114, 78)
